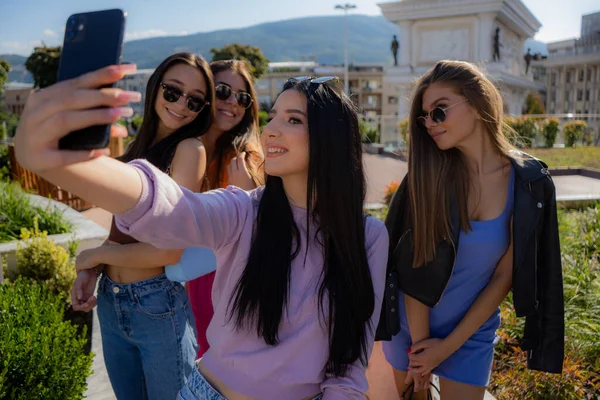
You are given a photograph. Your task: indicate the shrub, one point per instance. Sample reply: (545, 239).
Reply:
(263, 117)
(550, 128)
(580, 247)
(523, 131)
(533, 104)
(404, 129)
(573, 131)
(17, 211)
(4, 163)
(41, 355)
(368, 133)
(42, 260)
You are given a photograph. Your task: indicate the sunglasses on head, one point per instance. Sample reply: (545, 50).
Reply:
(330, 81)
(437, 115)
(223, 92)
(173, 93)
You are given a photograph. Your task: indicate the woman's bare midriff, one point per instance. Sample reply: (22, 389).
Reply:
(126, 275)
(222, 388)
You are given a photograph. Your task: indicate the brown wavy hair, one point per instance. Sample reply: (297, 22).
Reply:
(436, 176)
(147, 133)
(245, 136)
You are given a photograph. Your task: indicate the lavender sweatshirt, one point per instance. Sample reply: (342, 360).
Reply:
(169, 216)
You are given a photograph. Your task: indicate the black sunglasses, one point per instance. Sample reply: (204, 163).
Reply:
(331, 81)
(172, 94)
(437, 115)
(223, 92)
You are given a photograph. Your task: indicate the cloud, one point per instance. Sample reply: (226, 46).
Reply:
(151, 33)
(11, 47)
(50, 33)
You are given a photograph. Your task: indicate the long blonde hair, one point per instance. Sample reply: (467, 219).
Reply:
(436, 176)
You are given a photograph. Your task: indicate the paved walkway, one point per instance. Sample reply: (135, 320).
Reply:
(380, 170)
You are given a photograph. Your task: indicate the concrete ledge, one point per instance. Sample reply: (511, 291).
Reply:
(564, 171)
(87, 232)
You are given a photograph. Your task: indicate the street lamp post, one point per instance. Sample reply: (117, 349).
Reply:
(346, 7)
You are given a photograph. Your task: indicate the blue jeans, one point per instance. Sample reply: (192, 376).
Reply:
(148, 337)
(198, 388)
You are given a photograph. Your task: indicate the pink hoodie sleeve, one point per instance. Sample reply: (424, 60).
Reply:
(168, 216)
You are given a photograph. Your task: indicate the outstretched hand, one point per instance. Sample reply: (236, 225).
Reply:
(67, 106)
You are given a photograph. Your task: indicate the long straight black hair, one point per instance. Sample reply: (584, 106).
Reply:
(142, 147)
(335, 195)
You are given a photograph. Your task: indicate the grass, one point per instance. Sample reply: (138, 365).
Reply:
(17, 212)
(580, 248)
(588, 157)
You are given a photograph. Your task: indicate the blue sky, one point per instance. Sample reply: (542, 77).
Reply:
(26, 23)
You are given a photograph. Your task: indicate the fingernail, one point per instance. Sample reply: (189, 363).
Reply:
(134, 97)
(122, 111)
(127, 67)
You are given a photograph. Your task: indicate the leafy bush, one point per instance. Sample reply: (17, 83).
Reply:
(534, 104)
(522, 131)
(4, 163)
(574, 131)
(368, 133)
(580, 247)
(550, 128)
(41, 355)
(404, 129)
(17, 211)
(42, 260)
(263, 117)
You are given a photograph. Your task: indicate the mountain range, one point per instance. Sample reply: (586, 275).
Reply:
(319, 38)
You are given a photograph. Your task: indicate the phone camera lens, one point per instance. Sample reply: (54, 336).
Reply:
(70, 34)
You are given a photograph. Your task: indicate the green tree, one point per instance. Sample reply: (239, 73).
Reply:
(574, 131)
(254, 56)
(550, 131)
(43, 65)
(534, 105)
(368, 133)
(4, 70)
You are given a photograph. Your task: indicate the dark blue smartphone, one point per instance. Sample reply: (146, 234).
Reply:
(93, 40)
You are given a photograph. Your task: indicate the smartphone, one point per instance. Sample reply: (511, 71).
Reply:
(93, 40)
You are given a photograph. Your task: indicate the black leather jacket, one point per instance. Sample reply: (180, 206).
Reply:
(537, 270)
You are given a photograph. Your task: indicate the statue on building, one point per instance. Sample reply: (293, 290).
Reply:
(528, 57)
(395, 47)
(497, 45)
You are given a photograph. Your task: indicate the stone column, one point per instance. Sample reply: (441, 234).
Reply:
(487, 23)
(405, 43)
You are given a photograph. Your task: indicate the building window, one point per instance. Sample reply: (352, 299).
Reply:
(587, 95)
(568, 78)
(589, 74)
(579, 95)
(581, 76)
(18, 98)
(392, 100)
(372, 101)
(553, 78)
